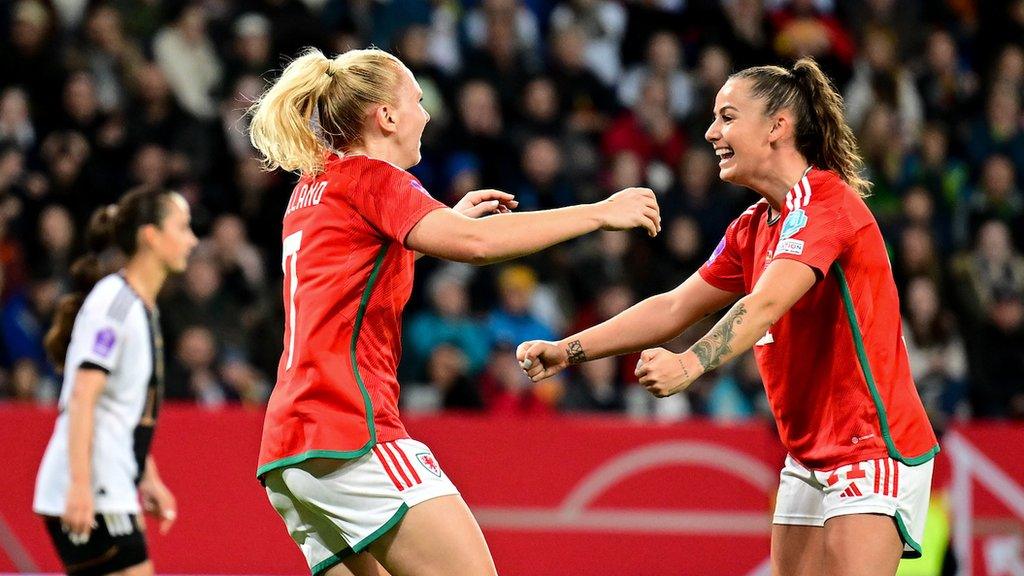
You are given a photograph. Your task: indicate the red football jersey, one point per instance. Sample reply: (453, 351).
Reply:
(834, 366)
(347, 277)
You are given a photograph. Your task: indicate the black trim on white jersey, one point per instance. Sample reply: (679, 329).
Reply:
(94, 366)
(143, 433)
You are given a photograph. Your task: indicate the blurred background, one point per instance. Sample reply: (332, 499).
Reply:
(558, 102)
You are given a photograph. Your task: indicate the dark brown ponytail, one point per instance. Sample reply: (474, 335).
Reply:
(822, 135)
(109, 226)
(85, 272)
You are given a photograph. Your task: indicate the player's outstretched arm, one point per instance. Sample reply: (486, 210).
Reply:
(647, 323)
(784, 282)
(453, 236)
(480, 203)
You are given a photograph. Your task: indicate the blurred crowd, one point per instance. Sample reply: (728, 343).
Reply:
(556, 101)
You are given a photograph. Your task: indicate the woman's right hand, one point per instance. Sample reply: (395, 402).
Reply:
(79, 514)
(631, 208)
(541, 359)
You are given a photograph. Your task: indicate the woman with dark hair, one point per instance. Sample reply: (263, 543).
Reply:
(806, 274)
(106, 335)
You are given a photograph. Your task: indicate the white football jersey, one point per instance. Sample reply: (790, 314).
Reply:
(116, 333)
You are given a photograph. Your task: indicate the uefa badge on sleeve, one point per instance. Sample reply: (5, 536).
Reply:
(416, 184)
(105, 340)
(718, 251)
(795, 222)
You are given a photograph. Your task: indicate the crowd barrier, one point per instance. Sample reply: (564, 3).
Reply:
(554, 495)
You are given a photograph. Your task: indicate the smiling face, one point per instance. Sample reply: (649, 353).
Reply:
(740, 133)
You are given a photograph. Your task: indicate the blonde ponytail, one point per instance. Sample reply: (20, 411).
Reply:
(338, 91)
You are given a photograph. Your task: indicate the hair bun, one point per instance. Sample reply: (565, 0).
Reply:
(100, 232)
(800, 72)
(805, 71)
(110, 212)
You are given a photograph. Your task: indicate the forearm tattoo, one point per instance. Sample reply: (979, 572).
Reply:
(574, 352)
(717, 344)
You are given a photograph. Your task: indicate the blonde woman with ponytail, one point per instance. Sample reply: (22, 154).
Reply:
(805, 275)
(106, 338)
(358, 495)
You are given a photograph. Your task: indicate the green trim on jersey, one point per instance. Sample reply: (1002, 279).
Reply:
(297, 458)
(367, 404)
(355, 339)
(865, 366)
(907, 539)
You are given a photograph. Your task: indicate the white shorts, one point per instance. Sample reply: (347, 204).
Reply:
(341, 512)
(881, 486)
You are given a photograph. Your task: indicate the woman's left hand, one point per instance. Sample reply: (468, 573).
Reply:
(485, 202)
(664, 373)
(158, 501)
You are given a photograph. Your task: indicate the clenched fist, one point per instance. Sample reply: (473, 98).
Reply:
(664, 373)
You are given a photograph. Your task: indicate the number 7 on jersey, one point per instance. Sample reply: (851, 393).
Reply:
(290, 249)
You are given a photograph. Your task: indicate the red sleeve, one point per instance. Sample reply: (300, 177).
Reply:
(724, 269)
(818, 229)
(391, 199)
